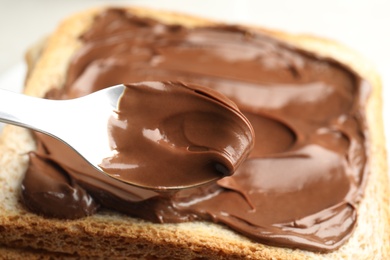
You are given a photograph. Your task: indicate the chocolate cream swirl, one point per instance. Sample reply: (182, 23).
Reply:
(174, 135)
(300, 185)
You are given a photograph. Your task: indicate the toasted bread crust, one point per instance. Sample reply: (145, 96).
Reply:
(110, 234)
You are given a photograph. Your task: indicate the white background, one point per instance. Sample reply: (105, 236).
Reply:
(363, 25)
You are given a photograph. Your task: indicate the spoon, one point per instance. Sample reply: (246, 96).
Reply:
(82, 124)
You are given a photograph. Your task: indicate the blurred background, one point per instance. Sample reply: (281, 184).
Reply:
(363, 25)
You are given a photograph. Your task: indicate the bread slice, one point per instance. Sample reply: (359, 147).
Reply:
(108, 234)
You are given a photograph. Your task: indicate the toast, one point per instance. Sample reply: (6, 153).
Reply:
(109, 234)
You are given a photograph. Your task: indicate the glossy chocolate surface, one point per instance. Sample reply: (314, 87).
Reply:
(171, 135)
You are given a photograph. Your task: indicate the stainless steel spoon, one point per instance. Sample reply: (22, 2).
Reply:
(81, 123)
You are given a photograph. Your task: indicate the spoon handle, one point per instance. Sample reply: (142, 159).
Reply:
(81, 123)
(25, 111)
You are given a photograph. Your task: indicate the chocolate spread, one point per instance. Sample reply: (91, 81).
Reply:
(301, 183)
(173, 135)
